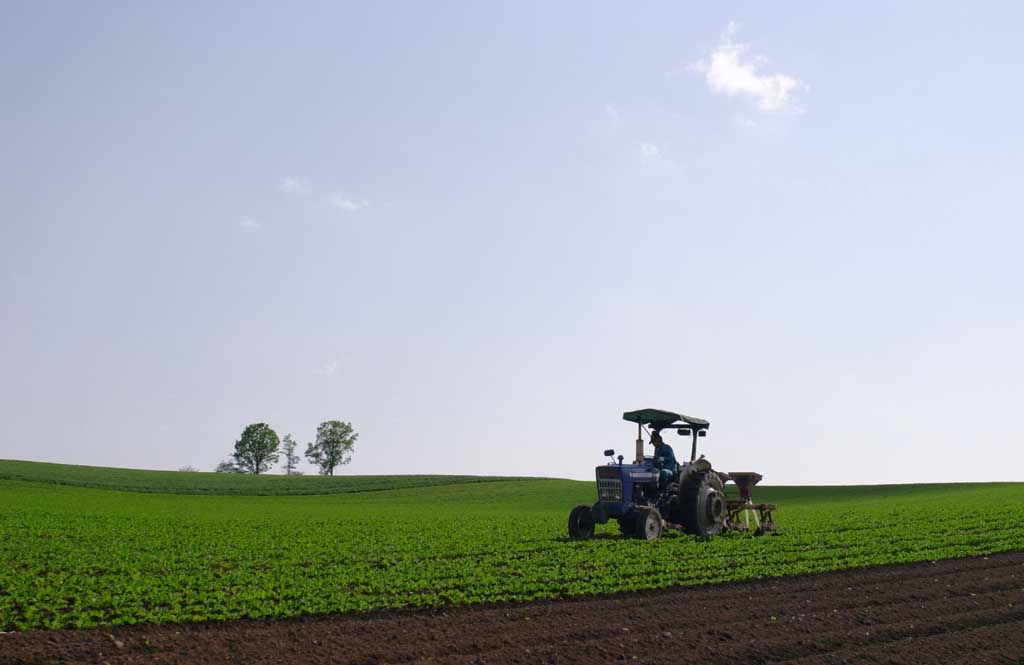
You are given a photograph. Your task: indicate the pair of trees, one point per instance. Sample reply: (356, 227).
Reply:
(259, 449)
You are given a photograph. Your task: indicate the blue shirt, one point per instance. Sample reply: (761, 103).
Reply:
(667, 456)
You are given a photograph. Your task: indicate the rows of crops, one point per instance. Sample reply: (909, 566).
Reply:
(82, 557)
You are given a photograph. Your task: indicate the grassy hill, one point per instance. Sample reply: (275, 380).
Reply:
(178, 482)
(72, 555)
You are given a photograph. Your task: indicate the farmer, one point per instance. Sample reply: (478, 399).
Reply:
(664, 458)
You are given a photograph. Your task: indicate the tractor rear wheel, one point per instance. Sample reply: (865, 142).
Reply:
(648, 524)
(701, 503)
(581, 522)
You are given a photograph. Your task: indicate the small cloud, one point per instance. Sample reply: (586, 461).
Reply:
(649, 149)
(743, 122)
(726, 73)
(655, 154)
(293, 185)
(347, 205)
(326, 370)
(249, 224)
(612, 114)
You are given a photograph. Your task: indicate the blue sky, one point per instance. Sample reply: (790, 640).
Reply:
(481, 232)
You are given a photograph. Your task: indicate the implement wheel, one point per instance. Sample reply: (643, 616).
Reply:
(648, 524)
(701, 503)
(581, 522)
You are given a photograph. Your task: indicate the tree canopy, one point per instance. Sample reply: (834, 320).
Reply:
(227, 466)
(291, 458)
(256, 451)
(334, 442)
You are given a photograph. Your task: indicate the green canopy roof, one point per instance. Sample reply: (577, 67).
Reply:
(657, 418)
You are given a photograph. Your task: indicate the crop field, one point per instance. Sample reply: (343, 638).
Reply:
(175, 482)
(73, 556)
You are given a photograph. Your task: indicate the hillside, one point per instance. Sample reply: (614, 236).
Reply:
(178, 482)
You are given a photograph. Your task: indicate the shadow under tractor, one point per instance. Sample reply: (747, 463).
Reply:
(645, 501)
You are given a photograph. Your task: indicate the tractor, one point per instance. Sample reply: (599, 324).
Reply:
(644, 501)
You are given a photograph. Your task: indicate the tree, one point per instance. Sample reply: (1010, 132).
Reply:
(291, 458)
(188, 468)
(333, 447)
(256, 451)
(227, 466)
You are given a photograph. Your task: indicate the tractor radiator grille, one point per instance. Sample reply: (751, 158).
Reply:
(609, 490)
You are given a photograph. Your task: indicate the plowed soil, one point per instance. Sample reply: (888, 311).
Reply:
(952, 611)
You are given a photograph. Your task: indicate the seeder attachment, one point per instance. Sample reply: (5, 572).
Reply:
(744, 511)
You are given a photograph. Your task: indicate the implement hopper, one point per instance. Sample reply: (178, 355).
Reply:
(744, 511)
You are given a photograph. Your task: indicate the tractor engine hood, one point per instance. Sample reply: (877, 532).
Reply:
(638, 473)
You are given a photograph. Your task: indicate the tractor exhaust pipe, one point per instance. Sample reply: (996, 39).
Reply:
(639, 444)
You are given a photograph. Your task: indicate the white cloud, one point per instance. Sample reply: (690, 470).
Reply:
(249, 224)
(728, 74)
(347, 205)
(293, 185)
(649, 149)
(612, 113)
(655, 154)
(326, 370)
(744, 122)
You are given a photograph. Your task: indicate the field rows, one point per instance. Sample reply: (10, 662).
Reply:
(83, 557)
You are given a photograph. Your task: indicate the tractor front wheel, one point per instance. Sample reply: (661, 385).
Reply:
(648, 524)
(581, 522)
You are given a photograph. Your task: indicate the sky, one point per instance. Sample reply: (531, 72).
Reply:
(480, 232)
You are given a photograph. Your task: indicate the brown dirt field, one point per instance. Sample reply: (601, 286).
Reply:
(951, 611)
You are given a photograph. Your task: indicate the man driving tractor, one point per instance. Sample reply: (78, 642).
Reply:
(664, 458)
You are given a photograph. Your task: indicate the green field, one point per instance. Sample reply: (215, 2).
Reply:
(83, 556)
(175, 482)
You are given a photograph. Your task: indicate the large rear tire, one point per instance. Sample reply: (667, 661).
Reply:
(648, 524)
(581, 522)
(701, 502)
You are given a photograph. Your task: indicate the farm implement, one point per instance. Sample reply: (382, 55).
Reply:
(645, 497)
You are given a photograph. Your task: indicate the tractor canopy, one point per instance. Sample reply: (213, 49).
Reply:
(659, 419)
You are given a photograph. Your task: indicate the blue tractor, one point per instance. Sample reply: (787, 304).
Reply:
(644, 498)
